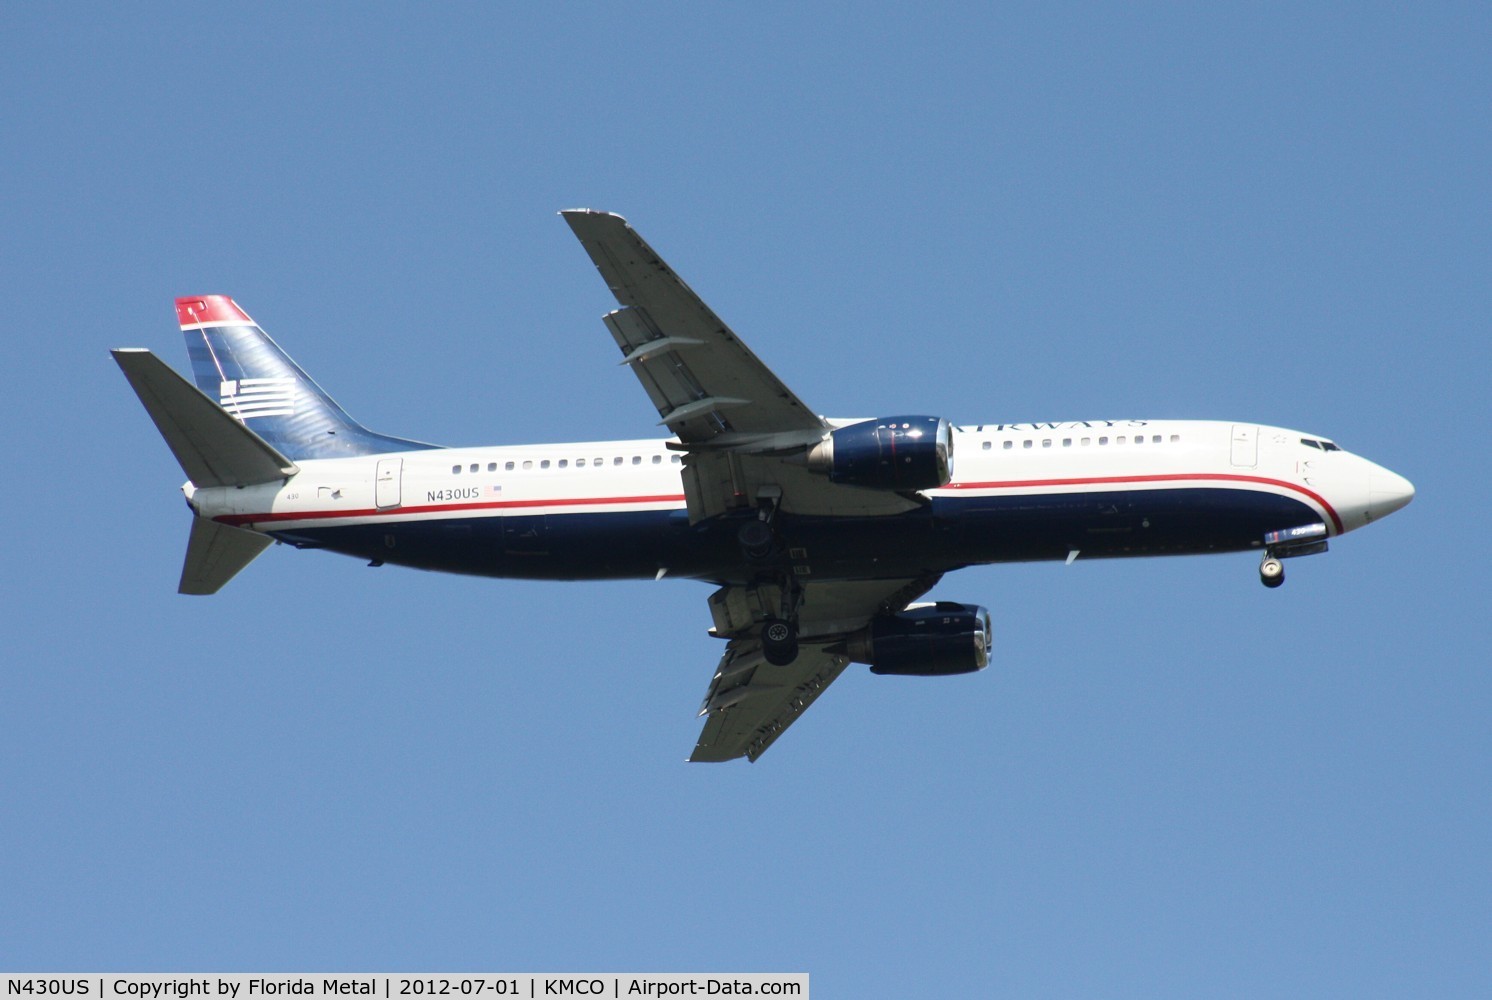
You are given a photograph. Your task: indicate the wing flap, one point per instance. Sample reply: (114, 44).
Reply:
(716, 482)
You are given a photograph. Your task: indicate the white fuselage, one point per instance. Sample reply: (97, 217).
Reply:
(999, 471)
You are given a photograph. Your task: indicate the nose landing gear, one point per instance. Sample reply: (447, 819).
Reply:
(1304, 540)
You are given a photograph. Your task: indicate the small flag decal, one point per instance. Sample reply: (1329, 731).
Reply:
(246, 398)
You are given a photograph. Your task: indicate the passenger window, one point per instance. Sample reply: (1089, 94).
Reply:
(676, 459)
(1086, 442)
(1009, 445)
(508, 466)
(544, 464)
(528, 464)
(1155, 439)
(564, 463)
(1119, 439)
(1103, 440)
(617, 460)
(988, 445)
(636, 459)
(455, 470)
(580, 463)
(1067, 442)
(657, 459)
(475, 467)
(1046, 442)
(1026, 443)
(491, 466)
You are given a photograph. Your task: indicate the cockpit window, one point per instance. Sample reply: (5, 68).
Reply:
(1323, 445)
(1309, 443)
(1328, 446)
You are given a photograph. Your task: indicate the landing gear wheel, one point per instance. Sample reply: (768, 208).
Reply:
(756, 540)
(779, 642)
(1271, 572)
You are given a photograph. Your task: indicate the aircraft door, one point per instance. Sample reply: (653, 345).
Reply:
(1245, 445)
(388, 483)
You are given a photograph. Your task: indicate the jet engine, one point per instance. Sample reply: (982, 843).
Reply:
(925, 640)
(890, 453)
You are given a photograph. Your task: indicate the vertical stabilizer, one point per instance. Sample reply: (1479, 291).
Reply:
(237, 365)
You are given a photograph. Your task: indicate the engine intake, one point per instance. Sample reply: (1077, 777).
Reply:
(889, 453)
(926, 640)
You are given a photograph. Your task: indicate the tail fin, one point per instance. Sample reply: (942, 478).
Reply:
(237, 364)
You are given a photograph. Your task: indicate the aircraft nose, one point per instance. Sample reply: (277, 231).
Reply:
(1387, 492)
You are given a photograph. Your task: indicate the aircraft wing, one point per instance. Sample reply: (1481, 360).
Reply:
(751, 702)
(700, 376)
(740, 426)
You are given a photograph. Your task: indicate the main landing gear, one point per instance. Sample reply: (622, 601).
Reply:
(779, 641)
(763, 550)
(1271, 571)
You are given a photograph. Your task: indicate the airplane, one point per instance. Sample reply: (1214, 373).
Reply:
(820, 535)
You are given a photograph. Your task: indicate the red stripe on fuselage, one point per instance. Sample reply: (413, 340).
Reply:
(321, 515)
(1226, 477)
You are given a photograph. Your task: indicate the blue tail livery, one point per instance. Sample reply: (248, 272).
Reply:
(237, 364)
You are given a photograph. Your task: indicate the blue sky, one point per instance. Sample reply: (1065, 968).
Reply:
(1171, 782)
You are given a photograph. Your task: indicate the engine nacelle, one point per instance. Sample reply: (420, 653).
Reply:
(890, 453)
(926, 640)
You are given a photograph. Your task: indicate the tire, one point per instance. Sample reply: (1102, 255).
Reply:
(1271, 572)
(756, 540)
(779, 642)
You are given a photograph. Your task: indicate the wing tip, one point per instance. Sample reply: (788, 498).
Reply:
(712, 758)
(592, 217)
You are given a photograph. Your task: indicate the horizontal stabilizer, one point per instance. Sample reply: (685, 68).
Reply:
(215, 554)
(214, 448)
